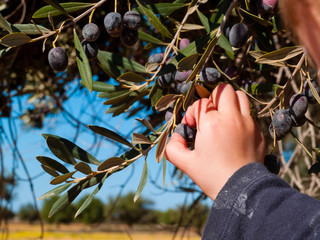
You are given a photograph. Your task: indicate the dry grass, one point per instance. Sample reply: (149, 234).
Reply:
(19, 231)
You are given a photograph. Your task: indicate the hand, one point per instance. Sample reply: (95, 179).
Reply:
(227, 138)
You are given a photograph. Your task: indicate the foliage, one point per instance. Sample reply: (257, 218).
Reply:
(94, 213)
(268, 66)
(65, 216)
(28, 213)
(127, 212)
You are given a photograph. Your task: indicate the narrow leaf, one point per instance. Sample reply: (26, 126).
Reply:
(60, 150)
(56, 191)
(165, 9)
(164, 171)
(131, 77)
(280, 55)
(52, 164)
(83, 63)
(5, 24)
(110, 134)
(56, 5)
(111, 162)
(68, 7)
(143, 181)
(187, 63)
(15, 39)
(156, 23)
(118, 60)
(49, 170)
(204, 20)
(83, 168)
(4, 51)
(162, 144)
(256, 18)
(146, 123)
(90, 197)
(148, 38)
(29, 29)
(61, 178)
(76, 151)
(202, 91)
(165, 102)
(140, 139)
(225, 44)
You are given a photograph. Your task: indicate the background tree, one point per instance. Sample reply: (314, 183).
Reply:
(94, 213)
(28, 213)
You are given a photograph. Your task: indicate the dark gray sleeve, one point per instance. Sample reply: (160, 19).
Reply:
(256, 204)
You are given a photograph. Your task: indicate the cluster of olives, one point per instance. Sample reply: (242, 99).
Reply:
(177, 80)
(90, 33)
(294, 116)
(126, 28)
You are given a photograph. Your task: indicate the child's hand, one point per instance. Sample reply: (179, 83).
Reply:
(227, 139)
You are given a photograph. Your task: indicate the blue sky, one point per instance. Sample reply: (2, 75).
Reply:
(32, 144)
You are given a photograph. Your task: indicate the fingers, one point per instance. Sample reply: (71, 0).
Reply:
(196, 111)
(244, 103)
(177, 151)
(225, 99)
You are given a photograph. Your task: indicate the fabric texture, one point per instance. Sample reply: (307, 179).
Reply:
(256, 204)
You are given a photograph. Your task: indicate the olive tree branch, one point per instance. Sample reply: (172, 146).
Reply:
(73, 21)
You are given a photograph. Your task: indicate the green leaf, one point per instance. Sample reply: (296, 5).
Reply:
(120, 99)
(131, 77)
(204, 20)
(76, 151)
(56, 191)
(165, 102)
(256, 18)
(146, 123)
(156, 23)
(155, 94)
(313, 90)
(143, 181)
(29, 29)
(102, 87)
(126, 63)
(49, 170)
(90, 197)
(187, 63)
(4, 51)
(67, 198)
(60, 150)
(280, 55)
(140, 139)
(148, 38)
(110, 134)
(52, 164)
(263, 88)
(118, 93)
(5, 24)
(56, 5)
(164, 171)
(110, 162)
(15, 39)
(162, 143)
(165, 9)
(225, 44)
(134, 96)
(68, 7)
(83, 168)
(61, 178)
(83, 63)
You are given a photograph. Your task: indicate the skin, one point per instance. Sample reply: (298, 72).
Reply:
(227, 139)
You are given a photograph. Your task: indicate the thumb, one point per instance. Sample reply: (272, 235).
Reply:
(177, 152)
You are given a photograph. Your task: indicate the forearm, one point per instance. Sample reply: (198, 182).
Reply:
(255, 204)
